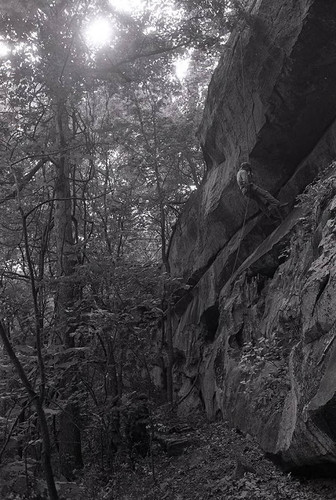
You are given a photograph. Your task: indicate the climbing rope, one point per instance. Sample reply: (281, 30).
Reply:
(244, 97)
(246, 149)
(240, 238)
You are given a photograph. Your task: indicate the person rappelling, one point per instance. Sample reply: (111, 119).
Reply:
(266, 202)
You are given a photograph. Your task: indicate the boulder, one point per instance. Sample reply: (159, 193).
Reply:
(174, 443)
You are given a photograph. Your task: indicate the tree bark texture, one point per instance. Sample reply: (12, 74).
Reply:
(70, 454)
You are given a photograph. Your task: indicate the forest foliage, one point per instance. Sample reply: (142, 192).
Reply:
(98, 157)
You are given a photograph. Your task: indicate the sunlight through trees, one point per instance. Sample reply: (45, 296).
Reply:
(99, 109)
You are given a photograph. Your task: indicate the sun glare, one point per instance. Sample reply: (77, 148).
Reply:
(98, 32)
(128, 6)
(4, 49)
(181, 68)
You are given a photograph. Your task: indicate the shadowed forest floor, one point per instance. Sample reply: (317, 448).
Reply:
(220, 464)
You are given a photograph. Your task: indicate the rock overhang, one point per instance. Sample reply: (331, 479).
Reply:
(289, 71)
(275, 86)
(303, 102)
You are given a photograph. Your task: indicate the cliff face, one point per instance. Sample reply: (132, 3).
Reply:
(255, 332)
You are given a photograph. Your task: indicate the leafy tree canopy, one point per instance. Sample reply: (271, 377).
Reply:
(99, 105)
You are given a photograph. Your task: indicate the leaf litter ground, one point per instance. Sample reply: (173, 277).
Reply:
(221, 464)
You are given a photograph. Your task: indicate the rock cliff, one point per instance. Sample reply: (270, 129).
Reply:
(256, 330)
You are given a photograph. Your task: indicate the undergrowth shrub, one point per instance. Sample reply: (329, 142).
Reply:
(265, 364)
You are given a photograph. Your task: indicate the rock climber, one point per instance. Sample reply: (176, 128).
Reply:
(266, 202)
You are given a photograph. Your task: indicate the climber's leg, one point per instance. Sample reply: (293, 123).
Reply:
(265, 196)
(266, 201)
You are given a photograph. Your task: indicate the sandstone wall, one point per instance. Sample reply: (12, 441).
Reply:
(257, 326)
(275, 89)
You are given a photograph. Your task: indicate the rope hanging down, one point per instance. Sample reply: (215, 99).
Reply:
(244, 98)
(240, 238)
(246, 148)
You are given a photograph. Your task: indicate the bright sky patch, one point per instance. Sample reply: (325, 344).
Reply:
(181, 68)
(4, 49)
(98, 32)
(128, 6)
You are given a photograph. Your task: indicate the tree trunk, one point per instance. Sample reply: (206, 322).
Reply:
(70, 454)
(169, 337)
(46, 450)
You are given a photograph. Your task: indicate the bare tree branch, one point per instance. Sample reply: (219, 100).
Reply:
(25, 180)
